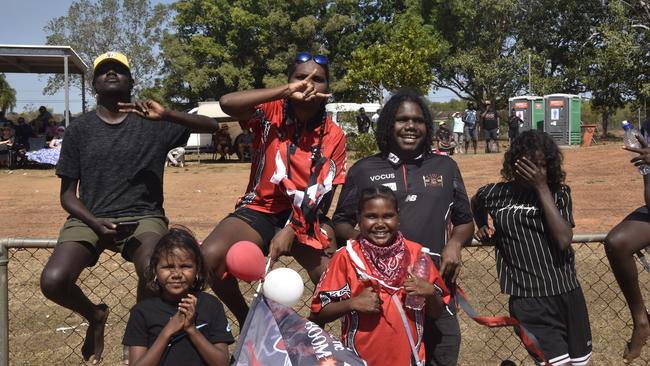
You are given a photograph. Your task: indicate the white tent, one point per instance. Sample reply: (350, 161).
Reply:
(334, 108)
(211, 109)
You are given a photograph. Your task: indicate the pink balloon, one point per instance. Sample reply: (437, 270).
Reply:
(245, 261)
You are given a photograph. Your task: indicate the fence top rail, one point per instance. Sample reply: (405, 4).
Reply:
(51, 243)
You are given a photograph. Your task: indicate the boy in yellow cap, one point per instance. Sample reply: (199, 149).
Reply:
(114, 156)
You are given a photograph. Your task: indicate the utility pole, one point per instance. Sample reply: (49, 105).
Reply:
(530, 82)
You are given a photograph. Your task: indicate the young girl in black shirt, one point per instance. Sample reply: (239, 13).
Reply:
(183, 325)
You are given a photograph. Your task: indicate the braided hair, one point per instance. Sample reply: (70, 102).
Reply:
(386, 121)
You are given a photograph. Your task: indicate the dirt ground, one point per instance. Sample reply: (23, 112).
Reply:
(605, 188)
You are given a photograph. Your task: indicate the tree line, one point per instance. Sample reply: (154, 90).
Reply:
(196, 50)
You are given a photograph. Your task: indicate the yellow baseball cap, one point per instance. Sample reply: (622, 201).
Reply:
(111, 56)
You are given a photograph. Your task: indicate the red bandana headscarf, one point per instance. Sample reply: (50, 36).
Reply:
(387, 263)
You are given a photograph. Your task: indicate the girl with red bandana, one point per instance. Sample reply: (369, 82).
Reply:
(366, 284)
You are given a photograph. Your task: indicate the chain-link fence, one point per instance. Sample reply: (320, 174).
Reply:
(41, 332)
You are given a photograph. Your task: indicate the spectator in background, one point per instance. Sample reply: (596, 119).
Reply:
(23, 132)
(459, 132)
(222, 142)
(470, 118)
(363, 122)
(445, 139)
(6, 144)
(490, 126)
(39, 124)
(49, 155)
(244, 144)
(514, 122)
(51, 129)
(374, 119)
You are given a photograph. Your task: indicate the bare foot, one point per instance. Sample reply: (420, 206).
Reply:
(635, 345)
(93, 346)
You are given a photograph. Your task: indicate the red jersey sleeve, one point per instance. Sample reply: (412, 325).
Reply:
(334, 284)
(339, 156)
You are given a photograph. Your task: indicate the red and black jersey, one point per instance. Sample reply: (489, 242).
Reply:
(282, 166)
(372, 334)
(430, 193)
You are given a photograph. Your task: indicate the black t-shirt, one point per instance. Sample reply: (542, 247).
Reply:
(150, 316)
(363, 123)
(490, 121)
(429, 189)
(119, 167)
(529, 263)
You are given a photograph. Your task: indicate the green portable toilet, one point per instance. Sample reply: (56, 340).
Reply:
(530, 109)
(562, 118)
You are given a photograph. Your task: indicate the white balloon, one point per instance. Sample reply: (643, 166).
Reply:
(283, 285)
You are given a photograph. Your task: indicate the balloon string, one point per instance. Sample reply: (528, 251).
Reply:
(266, 271)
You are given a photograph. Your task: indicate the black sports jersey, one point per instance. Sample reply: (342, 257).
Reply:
(529, 263)
(430, 193)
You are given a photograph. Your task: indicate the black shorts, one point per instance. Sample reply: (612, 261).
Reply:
(640, 214)
(560, 323)
(490, 134)
(265, 224)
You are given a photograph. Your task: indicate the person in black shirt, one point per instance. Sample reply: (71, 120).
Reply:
(490, 126)
(433, 204)
(631, 236)
(182, 325)
(513, 125)
(532, 227)
(115, 155)
(363, 121)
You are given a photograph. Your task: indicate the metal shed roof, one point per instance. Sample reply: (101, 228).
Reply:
(39, 59)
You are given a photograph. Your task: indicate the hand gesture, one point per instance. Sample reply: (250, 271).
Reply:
(450, 263)
(175, 324)
(530, 173)
(281, 243)
(485, 233)
(305, 89)
(187, 307)
(149, 109)
(367, 301)
(643, 151)
(414, 285)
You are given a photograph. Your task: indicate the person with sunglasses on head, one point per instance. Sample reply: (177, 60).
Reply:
(298, 160)
(111, 169)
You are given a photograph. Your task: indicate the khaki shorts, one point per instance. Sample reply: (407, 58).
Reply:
(77, 231)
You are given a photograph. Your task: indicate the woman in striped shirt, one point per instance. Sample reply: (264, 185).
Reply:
(532, 227)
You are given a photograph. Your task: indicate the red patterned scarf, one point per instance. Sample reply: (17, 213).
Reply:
(387, 263)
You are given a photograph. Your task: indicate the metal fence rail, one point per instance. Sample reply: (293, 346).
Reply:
(35, 331)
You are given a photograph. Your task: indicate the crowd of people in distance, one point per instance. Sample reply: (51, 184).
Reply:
(407, 197)
(38, 140)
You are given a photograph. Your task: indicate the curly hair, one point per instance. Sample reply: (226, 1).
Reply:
(527, 145)
(386, 121)
(178, 237)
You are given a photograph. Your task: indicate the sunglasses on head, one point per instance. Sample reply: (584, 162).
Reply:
(303, 57)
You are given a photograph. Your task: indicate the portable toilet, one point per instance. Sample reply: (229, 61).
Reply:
(530, 109)
(562, 118)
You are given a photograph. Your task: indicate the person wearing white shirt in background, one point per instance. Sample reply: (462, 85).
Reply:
(458, 130)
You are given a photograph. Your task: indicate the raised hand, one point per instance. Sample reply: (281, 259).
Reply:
(530, 173)
(149, 109)
(305, 89)
(367, 301)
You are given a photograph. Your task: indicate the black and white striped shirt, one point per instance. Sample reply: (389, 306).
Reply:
(529, 263)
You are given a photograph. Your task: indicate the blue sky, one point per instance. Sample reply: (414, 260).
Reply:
(22, 23)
